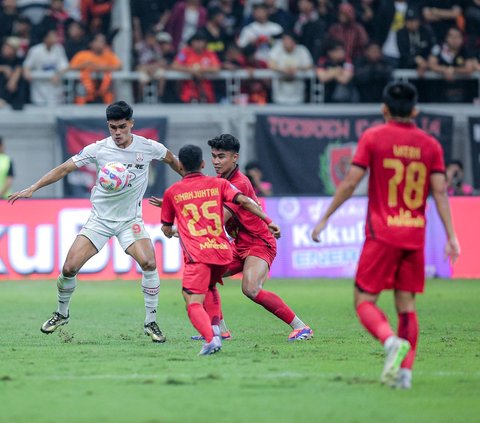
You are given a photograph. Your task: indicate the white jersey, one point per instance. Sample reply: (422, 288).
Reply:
(125, 204)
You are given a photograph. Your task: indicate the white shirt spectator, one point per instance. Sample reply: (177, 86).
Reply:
(259, 34)
(287, 90)
(46, 92)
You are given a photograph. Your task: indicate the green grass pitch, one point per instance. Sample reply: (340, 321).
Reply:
(101, 368)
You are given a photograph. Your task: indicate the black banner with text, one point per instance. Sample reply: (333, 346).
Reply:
(311, 154)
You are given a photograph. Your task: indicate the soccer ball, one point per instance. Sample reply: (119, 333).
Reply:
(113, 177)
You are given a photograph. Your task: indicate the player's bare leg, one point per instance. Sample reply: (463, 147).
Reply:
(143, 253)
(80, 252)
(201, 322)
(407, 329)
(375, 321)
(255, 273)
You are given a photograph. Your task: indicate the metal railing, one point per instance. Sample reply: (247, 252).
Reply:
(233, 81)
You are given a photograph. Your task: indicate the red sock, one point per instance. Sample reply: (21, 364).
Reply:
(274, 304)
(200, 320)
(373, 319)
(408, 329)
(212, 305)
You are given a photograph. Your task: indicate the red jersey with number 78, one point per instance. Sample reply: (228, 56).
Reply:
(401, 158)
(196, 203)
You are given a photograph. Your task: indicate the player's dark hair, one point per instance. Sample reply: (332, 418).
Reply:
(190, 157)
(225, 142)
(119, 110)
(400, 97)
(457, 162)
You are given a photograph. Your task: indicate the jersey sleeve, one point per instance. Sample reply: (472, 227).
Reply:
(159, 150)
(86, 155)
(229, 191)
(168, 212)
(438, 164)
(362, 154)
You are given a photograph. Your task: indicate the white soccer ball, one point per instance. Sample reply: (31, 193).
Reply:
(113, 176)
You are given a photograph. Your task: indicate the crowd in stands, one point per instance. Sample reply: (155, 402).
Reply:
(353, 47)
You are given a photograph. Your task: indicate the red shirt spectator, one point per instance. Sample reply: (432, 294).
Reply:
(350, 33)
(197, 61)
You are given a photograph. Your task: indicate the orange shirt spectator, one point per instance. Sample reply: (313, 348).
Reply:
(197, 61)
(96, 66)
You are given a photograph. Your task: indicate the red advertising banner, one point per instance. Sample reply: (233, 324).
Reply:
(35, 236)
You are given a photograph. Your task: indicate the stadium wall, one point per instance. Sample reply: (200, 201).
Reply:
(31, 135)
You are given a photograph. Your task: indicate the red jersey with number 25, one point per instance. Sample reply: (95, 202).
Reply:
(244, 226)
(196, 202)
(401, 158)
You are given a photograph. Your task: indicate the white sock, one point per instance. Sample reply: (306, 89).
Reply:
(65, 288)
(150, 289)
(223, 326)
(388, 342)
(296, 323)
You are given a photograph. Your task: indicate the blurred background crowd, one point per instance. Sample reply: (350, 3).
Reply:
(353, 48)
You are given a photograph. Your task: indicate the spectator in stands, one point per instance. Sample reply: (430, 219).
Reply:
(366, 11)
(442, 15)
(96, 15)
(390, 46)
(472, 24)
(6, 172)
(260, 33)
(149, 15)
(326, 11)
(10, 75)
(309, 27)
(34, 10)
(415, 42)
(256, 90)
(48, 56)
(151, 62)
(336, 72)
(215, 32)
(280, 16)
(253, 171)
(349, 32)
(55, 18)
(233, 12)
(197, 61)
(234, 58)
(77, 39)
(452, 60)
(455, 176)
(288, 58)
(22, 30)
(372, 74)
(8, 15)
(96, 66)
(186, 19)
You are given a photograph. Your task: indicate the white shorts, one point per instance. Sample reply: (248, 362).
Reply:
(99, 231)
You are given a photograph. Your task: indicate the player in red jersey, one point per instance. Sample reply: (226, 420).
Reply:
(405, 164)
(196, 203)
(254, 246)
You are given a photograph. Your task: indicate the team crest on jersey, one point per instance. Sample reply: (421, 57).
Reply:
(334, 164)
(139, 157)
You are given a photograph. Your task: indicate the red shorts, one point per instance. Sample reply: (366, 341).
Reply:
(266, 252)
(197, 277)
(382, 266)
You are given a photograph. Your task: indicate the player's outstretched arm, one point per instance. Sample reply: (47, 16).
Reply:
(248, 204)
(342, 194)
(438, 185)
(173, 162)
(49, 178)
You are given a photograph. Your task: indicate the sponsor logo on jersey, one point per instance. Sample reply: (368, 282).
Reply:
(139, 157)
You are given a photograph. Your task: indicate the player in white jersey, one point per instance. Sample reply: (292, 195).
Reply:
(113, 214)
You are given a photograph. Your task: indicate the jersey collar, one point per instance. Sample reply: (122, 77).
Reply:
(193, 175)
(232, 173)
